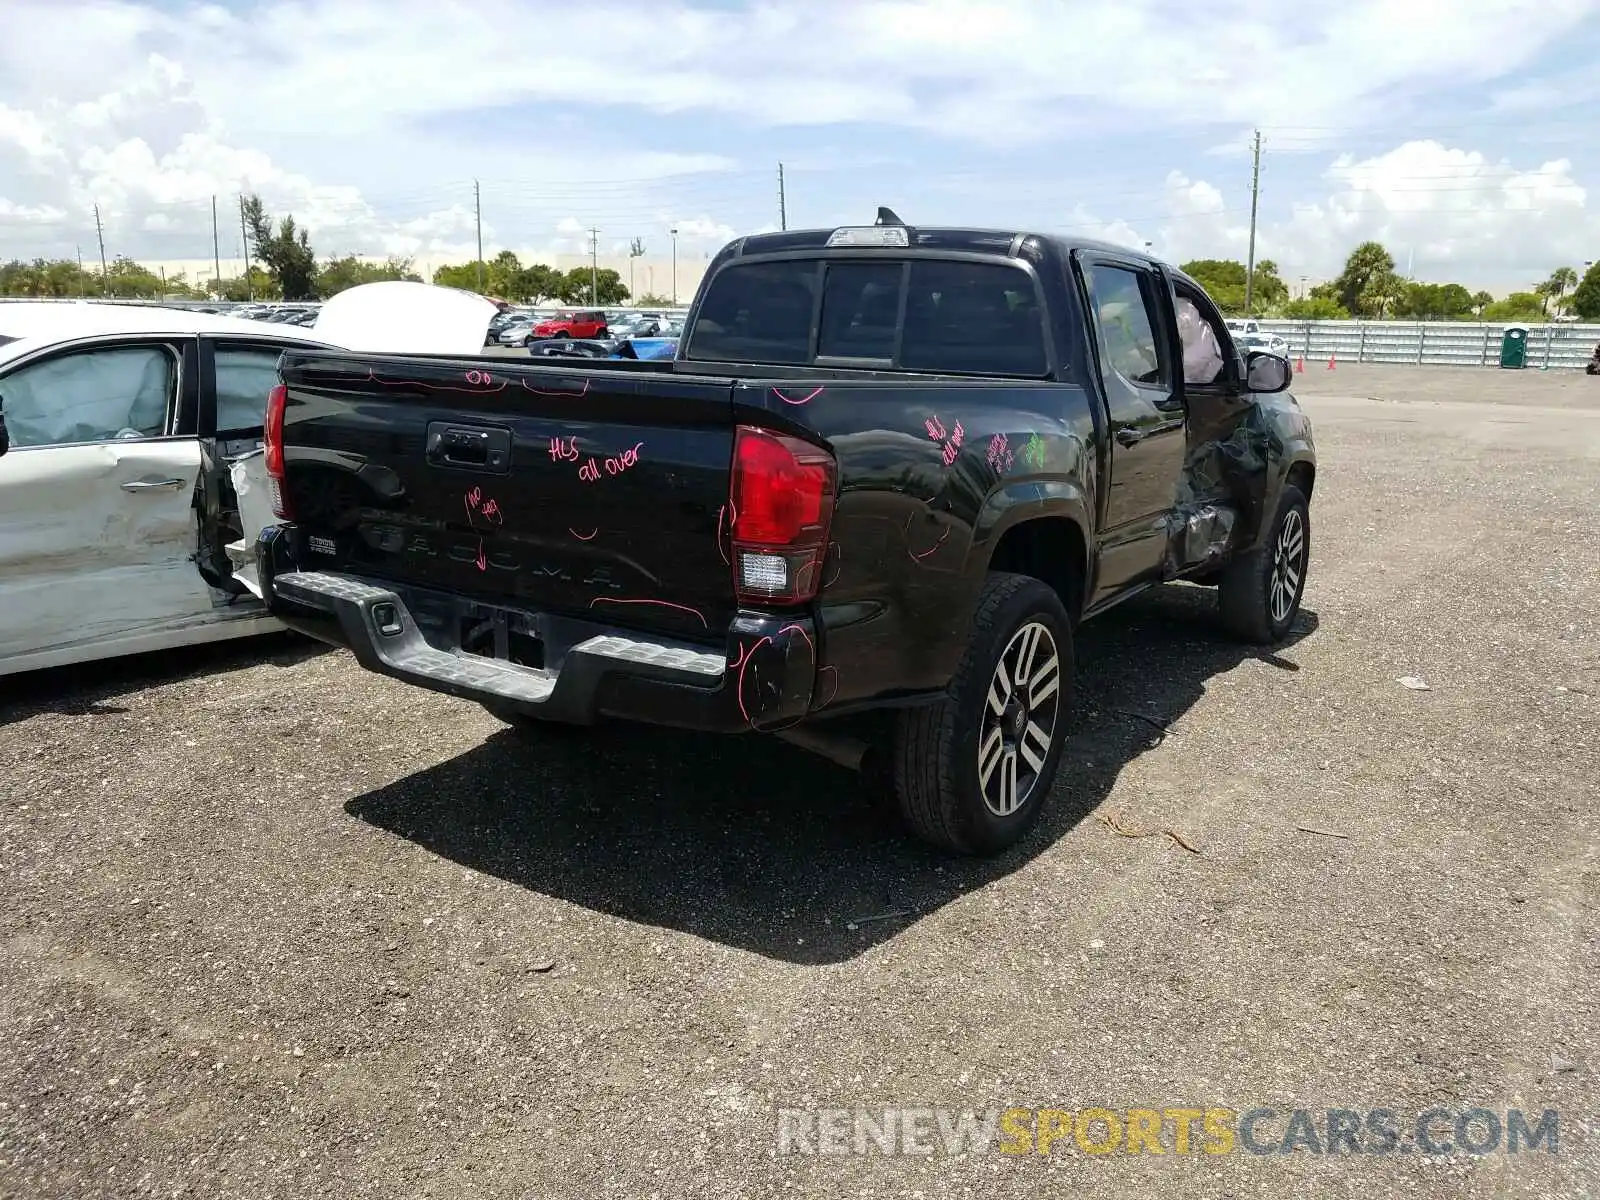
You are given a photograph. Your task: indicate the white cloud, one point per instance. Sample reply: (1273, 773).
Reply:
(240, 98)
(939, 64)
(1455, 214)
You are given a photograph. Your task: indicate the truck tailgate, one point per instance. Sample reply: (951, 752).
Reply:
(578, 490)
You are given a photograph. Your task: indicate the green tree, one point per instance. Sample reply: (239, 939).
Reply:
(1368, 281)
(47, 278)
(1561, 281)
(654, 300)
(261, 286)
(1223, 280)
(338, 274)
(1316, 308)
(1586, 297)
(1269, 290)
(1517, 307)
(463, 276)
(540, 281)
(504, 276)
(1480, 302)
(286, 254)
(583, 285)
(1434, 302)
(127, 280)
(635, 250)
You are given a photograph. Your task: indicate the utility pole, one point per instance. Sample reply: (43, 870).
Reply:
(244, 235)
(594, 266)
(783, 208)
(216, 247)
(674, 268)
(100, 234)
(1255, 197)
(477, 208)
(79, 249)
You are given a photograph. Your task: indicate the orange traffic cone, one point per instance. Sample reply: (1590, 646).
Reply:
(1331, 357)
(1300, 366)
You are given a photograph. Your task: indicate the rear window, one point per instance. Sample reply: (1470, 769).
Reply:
(948, 318)
(758, 312)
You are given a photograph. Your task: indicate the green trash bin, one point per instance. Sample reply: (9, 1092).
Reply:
(1514, 346)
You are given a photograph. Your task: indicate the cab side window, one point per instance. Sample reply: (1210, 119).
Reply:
(101, 395)
(1121, 303)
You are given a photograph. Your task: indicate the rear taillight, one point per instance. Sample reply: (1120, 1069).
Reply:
(272, 444)
(781, 507)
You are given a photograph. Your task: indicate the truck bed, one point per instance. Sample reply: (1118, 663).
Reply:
(569, 489)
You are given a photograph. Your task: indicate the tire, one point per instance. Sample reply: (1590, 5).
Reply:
(1259, 593)
(942, 792)
(562, 333)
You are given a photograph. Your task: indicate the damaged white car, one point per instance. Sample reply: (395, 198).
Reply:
(122, 429)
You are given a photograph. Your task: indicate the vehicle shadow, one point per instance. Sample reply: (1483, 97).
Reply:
(764, 847)
(92, 689)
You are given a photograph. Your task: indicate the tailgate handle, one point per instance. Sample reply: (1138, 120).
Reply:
(469, 447)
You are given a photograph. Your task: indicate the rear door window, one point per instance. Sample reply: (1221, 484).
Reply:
(758, 312)
(973, 319)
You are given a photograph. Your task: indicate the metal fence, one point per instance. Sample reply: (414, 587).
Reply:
(1557, 346)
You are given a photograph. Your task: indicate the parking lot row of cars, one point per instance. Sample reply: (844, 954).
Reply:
(523, 327)
(516, 326)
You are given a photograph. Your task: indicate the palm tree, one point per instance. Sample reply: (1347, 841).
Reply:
(1561, 280)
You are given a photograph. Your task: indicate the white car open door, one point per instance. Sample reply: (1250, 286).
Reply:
(96, 504)
(391, 317)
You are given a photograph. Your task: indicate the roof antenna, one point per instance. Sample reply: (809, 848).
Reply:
(887, 216)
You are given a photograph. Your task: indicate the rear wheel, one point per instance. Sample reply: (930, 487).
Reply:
(1259, 593)
(972, 773)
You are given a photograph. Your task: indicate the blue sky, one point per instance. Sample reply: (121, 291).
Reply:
(1461, 133)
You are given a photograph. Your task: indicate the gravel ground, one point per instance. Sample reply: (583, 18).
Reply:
(274, 927)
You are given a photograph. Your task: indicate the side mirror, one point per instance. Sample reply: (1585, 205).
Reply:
(5, 436)
(1264, 372)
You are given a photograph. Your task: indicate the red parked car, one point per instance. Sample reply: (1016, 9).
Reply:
(586, 324)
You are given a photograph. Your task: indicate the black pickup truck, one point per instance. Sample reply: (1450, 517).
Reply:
(890, 467)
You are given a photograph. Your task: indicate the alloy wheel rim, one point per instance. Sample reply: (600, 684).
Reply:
(1288, 567)
(1020, 714)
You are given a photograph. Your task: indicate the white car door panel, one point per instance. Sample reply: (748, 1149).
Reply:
(99, 542)
(97, 525)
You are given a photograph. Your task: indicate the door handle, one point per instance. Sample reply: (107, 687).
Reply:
(1129, 437)
(152, 485)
